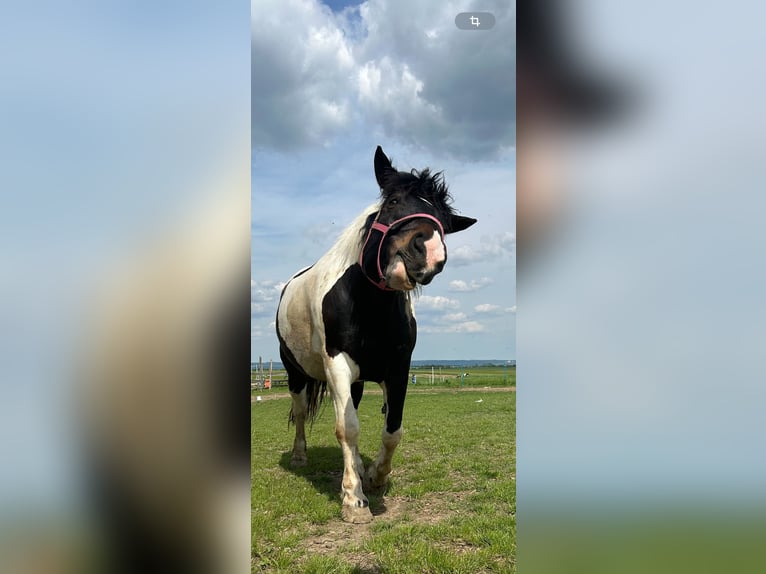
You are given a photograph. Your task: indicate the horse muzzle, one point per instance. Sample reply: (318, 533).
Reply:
(425, 276)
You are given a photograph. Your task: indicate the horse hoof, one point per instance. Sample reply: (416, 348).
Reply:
(357, 514)
(298, 461)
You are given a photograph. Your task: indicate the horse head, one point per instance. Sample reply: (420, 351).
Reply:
(404, 242)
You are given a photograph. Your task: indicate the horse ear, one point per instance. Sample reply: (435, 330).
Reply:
(459, 223)
(382, 167)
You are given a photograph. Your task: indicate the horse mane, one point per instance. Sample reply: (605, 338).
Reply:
(345, 250)
(425, 184)
(433, 187)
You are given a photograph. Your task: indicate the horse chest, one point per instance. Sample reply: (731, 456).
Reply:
(375, 328)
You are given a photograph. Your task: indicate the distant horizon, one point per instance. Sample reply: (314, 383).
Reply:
(422, 361)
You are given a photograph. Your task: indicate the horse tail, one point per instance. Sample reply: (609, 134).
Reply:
(315, 393)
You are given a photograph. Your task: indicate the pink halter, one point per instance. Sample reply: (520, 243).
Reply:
(384, 229)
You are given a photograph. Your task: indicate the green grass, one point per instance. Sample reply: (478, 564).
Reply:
(450, 505)
(477, 376)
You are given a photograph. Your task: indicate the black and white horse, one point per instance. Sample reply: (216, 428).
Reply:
(349, 319)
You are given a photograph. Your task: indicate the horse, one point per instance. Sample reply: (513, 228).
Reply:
(349, 318)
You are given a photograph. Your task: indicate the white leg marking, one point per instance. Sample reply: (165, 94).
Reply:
(341, 372)
(377, 474)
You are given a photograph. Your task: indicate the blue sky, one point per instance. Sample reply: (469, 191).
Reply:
(338, 5)
(330, 83)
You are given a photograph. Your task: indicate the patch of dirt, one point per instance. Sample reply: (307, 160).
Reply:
(268, 396)
(438, 506)
(338, 535)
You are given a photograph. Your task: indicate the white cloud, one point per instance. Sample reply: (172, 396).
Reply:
(467, 286)
(449, 323)
(392, 94)
(437, 302)
(262, 328)
(301, 70)
(415, 78)
(469, 327)
(264, 297)
(266, 290)
(323, 233)
(486, 308)
(489, 308)
(452, 91)
(461, 327)
(490, 247)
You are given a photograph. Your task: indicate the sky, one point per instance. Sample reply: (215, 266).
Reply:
(330, 82)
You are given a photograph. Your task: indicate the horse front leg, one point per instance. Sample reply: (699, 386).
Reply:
(394, 394)
(341, 373)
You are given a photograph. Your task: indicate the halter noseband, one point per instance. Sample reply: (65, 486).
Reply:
(380, 283)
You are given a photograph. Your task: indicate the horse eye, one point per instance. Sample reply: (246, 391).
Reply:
(393, 202)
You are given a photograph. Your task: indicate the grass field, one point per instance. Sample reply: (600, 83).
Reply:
(450, 505)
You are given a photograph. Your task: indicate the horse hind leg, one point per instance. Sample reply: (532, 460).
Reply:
(298, 416)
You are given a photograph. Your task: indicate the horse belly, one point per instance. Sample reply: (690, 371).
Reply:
(297, 332)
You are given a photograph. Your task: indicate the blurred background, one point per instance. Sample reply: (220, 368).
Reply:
(124, 348)
(640, 284)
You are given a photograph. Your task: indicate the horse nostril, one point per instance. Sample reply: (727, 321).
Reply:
(419, 244)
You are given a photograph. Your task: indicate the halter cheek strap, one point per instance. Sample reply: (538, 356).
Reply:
(380, 282)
